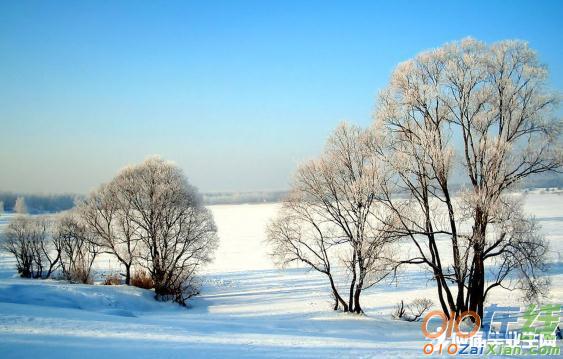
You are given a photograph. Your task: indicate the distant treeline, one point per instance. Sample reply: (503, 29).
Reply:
(49, 203)
(243, 197)
(39, 203)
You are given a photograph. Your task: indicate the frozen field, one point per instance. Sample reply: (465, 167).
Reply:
(247, 307)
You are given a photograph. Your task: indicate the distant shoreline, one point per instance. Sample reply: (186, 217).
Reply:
(52, 203)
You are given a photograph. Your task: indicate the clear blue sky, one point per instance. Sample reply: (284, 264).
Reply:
(236, 92)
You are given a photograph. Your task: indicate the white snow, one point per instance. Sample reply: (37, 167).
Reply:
(247, 308)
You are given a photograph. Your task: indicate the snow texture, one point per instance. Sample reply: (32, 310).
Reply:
(247, 308)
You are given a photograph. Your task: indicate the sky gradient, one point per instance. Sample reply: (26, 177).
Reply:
(237, 93)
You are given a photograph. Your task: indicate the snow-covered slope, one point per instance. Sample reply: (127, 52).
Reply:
(247, 308)
(260, 313)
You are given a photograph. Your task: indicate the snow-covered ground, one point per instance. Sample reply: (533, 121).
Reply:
(247, 307)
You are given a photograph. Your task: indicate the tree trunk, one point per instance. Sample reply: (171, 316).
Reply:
(128, 274)
(338, 299)
(477, 284)
(441, 298)
(357, 307)
(352, 284)
(53, 265)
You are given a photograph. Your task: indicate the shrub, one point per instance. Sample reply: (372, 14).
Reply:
(413, 311)
(79, 275)
(142, 279)
(112, 279)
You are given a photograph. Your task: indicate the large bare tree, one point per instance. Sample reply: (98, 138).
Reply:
(485, 107)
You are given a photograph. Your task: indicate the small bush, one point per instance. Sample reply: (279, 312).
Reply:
(79, 275)
(414, 311)
(142, 279)
(112, 279)
(179, 293)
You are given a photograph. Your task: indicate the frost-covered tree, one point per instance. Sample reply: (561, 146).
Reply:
(29, 240)
(177, 233)
(331, 219)
(110, 217)
(20, 206)
(79, 248)
(488, 108)
(1, 207)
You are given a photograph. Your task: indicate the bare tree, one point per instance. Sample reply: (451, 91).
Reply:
(29, 240)
(487, 106)
(110, 218)
(297, 234)
(79, 248)
(20, 206)
(178, 233)
(45, 248)
(15, 240)
(331, 218)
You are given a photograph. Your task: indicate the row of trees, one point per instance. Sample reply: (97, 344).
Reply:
(42, 245)
(147, 217)
(480, 115)
(37, 203)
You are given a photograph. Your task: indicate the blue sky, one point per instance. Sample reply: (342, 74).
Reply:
(238, 93)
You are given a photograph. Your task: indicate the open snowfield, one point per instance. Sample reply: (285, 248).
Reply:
(247, 308)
